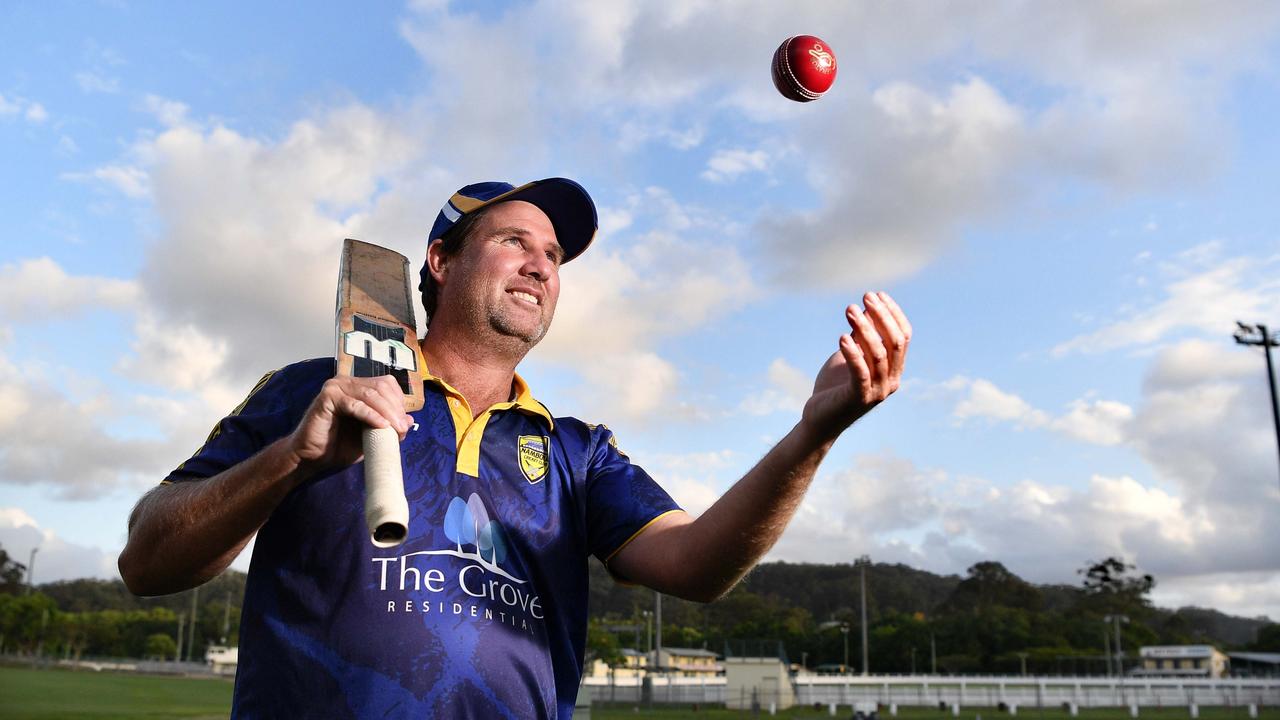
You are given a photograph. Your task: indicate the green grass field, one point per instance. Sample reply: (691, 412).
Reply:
(48, 694)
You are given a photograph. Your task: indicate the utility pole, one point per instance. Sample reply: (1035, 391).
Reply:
(1259, 335)
(226, 619)
(648, 633)
(191, 641)
(862, 563)
(657, 622)
(933, 655)
(31, 568)
(182, 631)
(844, 630)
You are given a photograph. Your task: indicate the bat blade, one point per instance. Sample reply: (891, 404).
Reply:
(377, 335)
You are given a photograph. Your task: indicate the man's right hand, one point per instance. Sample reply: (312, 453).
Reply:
(328, 436)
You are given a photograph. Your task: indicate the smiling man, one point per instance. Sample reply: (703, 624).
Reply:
(482, 612)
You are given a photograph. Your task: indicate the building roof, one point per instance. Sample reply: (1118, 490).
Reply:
(1177, 651)
(688, 652)
(1256, 657)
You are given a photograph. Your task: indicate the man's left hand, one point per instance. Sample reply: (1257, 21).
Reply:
(865, 370)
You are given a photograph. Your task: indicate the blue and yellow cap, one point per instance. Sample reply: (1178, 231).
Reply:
(566, 203)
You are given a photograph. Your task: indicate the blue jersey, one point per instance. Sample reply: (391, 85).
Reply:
(482, 612)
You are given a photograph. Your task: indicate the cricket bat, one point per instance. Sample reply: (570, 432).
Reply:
(377, 335)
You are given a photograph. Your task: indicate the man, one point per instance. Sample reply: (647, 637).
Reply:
(482, 611)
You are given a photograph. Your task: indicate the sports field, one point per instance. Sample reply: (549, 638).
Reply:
(49, 694)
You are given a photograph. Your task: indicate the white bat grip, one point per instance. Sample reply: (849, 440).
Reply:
(386, 510)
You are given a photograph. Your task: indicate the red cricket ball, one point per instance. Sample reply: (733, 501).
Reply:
(804, 67)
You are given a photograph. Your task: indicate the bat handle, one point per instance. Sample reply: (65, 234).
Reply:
(386, 510)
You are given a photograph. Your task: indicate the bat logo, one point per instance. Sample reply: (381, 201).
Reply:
(389, 352)
(379, 350)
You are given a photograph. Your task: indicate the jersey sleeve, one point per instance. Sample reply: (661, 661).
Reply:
(271, 411)
(622, 499)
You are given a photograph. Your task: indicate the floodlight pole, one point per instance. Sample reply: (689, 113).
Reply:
(1259, 335)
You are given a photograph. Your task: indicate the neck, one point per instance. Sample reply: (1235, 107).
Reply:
(482, 374)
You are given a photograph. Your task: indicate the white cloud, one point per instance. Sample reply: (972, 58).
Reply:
(985, 400)
(247, 254)
(694, 480)
(129, 180)
(94, 82)
(660, 284)
(71, 446)
(788, 389)
(897, 186)
(1255, 594)
(1089, 420)
(728, 165)
(1204, 294)
(170, 113)
(39, 290)
(31, 111)
(1098, 422)
(55, 559)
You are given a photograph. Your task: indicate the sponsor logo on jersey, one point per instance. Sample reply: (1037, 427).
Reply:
(479, 587)
(533, 456)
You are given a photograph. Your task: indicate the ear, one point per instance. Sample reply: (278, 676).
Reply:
(437, 261)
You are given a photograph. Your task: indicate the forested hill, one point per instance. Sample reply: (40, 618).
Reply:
(990, 620)
(984, 621)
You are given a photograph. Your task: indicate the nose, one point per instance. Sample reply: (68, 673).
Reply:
(538, 266)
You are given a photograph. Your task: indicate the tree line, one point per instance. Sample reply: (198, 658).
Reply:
(102, 619)
(990, 620)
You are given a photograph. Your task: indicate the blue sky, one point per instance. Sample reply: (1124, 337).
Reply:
(1073, 203)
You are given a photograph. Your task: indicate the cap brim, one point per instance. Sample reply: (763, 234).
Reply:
(567, 205)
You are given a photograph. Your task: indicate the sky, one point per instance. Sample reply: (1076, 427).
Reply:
(1069, 200)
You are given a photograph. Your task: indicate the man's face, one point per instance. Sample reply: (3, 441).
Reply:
(507, 275)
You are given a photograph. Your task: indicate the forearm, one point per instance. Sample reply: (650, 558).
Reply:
(703, 559)
(184, 534)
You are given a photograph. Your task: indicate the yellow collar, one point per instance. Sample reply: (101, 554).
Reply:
(523, 401)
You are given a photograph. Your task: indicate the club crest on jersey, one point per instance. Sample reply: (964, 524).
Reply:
(533, 456)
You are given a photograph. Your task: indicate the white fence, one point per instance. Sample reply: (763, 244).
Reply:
(970, 691)
(1036, 691)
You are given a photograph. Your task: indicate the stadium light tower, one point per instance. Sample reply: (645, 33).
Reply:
(1116, 620)
(1259, 335)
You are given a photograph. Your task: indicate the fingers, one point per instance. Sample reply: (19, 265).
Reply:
(881, 334)
(857, 364)
(869, 342)
(894, 330)
(377, 402)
